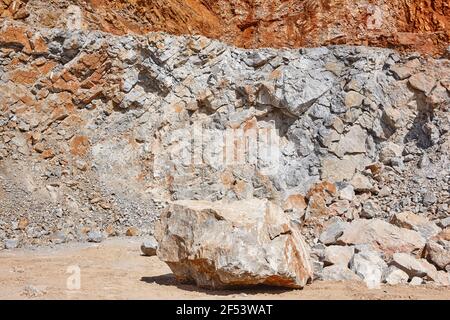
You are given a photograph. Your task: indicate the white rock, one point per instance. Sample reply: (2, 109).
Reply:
(339, 273)
(242, 243)
(395, 276)
(338, 255)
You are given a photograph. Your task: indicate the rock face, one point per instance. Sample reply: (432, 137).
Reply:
(245, 243)
(99, 132)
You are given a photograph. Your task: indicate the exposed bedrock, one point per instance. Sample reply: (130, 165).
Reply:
(100, 132)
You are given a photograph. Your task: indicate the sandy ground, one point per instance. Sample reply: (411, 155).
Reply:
(116, 269)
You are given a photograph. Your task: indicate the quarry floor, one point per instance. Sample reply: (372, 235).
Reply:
(115, 269)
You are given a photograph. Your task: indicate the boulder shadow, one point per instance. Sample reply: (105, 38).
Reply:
(169, 279)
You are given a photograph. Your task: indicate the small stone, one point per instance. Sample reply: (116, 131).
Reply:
(362, 183)
(395, 276)
(422, 82)
(416, 281)
(132, 232)
(353, 99)
(11, 244)
(95, 236)
(369, 266)
(370, 210)
(339, 273)
(149, 247)
(429, 198)
(409, 264)
(23, 223)
(392, 117)
(401, 72)
(33, 291)
(333, 231)
(338, 255)
(444, 223)
(389, 151)
(437, 255)
(415, 222)
(347, 193)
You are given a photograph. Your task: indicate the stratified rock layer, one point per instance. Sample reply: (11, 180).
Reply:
(422, 25)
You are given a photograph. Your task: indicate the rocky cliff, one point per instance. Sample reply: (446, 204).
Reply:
(100, 131)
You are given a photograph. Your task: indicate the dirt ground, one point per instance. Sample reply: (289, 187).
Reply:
(116, 269)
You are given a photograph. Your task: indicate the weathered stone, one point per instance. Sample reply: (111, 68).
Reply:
(11, 244)
(444, 234)
(338, 255)
(335, 169)
(353, 99)
(402, 72)
(149, 247)
(243, 243)
(381, 235)
(437, 255)
(409, 264)
(362, 183)
(339, 273)
(353, 142)
(369, 266)
(444, 223)
(422, 82)
(370, 209)
(395, 276)
(390, 150)
(333, 231)
(392, 117)
(95, 236)
(347, 193)
(416, 281)
(415, 222)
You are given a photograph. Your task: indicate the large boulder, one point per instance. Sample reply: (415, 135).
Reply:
(237, 244)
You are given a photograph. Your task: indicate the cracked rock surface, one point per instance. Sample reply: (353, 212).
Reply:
(100, 134)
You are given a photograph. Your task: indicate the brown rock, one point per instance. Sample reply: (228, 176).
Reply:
(132, 232)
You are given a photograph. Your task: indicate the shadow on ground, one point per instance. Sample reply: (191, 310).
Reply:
(170, 280)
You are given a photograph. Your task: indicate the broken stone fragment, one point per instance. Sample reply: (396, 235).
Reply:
(369, 266)
(437, 254)
(338, 255)
(338, 272)
(415, 222)
(386, 237)
(237, 244)
(422, 82)
(395, 276)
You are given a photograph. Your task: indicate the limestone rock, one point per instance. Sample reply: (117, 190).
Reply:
(422, 82)
(395, 276)
(412, 266)
(369, 266)
(339, 273)
(437, 254)
(381, 235)
(333, 231)
(242, 243)
(149, 247)
(415, 222)
(338, 255)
